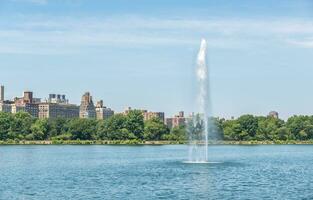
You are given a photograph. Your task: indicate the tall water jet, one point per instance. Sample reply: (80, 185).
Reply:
(198, 125)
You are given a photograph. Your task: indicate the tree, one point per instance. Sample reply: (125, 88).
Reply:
(300, 127)
(5, 124)
(40, 129)
(195, 128)
(115, 128)
(135, 123)
(268, 127)
(83, 129)
(57, 127)
(20, 125)
(249, 125)
(177, 133)
(215, 129)
(231, 129)
(154, 129)
(283, 133)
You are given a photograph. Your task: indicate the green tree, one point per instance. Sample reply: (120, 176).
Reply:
(20, 125)
(5, 124)
(300, 127)
(215, 128)
(83, 129)
(177, 133)
(283, 133)
(268, 127)
(231, 129)
(248, 125)
(115, 128)
(135, 123)
(155, 129)
(58, 126)
(40, 129)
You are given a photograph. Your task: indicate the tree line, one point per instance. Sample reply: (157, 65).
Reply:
(22, 126)
(260, 128)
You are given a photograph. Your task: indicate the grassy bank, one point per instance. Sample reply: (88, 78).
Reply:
(88, 142)
(142, 142)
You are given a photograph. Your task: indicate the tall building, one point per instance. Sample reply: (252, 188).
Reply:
(28, 97)
(5, 106)
(26, 104)
(150, 115)
(58, 110)
(57, 98)
(87, 108)
(176, 121)
(103, 112)
(1, 93)
(30, 108)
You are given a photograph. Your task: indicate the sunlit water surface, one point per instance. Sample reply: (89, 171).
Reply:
(155, 172)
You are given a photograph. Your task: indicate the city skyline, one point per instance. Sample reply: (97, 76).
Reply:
(87, 108)
(141, 55)
(57, 106)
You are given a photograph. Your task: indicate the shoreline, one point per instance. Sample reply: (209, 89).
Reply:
(139, 142)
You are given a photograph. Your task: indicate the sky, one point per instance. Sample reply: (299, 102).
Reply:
(142, 53)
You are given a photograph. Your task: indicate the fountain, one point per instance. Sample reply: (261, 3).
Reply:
(198, 124)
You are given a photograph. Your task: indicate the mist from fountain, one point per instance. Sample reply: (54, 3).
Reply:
(198, 124)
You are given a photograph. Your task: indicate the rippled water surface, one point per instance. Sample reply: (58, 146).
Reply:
(155, 172)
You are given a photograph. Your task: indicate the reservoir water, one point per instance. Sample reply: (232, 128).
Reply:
(155, 172)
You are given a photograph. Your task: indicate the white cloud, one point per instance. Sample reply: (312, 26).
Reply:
(66, 34)
(306, 43)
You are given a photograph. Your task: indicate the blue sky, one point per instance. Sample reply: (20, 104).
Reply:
(141, 53)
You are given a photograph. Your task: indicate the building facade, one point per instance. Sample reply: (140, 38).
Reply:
(57, 110)
(26, 104)
(57, 98)
(103, 112)
(274, 114)
(87, 108)
(150, 115)
(6, 106)
(176, 121)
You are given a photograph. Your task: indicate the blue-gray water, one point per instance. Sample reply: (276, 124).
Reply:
(155, 172)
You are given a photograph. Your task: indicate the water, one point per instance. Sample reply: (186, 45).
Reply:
(155, 172)
(198, 125)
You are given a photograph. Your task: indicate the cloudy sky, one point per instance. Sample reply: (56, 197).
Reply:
(141, 53)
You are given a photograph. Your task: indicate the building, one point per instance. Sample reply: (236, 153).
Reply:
(1, 93)
(103, 112)
(5, 106)
(273, 114)
(30, 108)
(57, 106)
(58, 110)
(26, 104)
(147, 115)
(57, 98)
(176, 121)
(28, 97)
(17, 108)
(87, 108)
(36, 100)
(150, 115)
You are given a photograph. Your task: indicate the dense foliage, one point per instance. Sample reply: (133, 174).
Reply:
(249, 127)
(22, 126)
